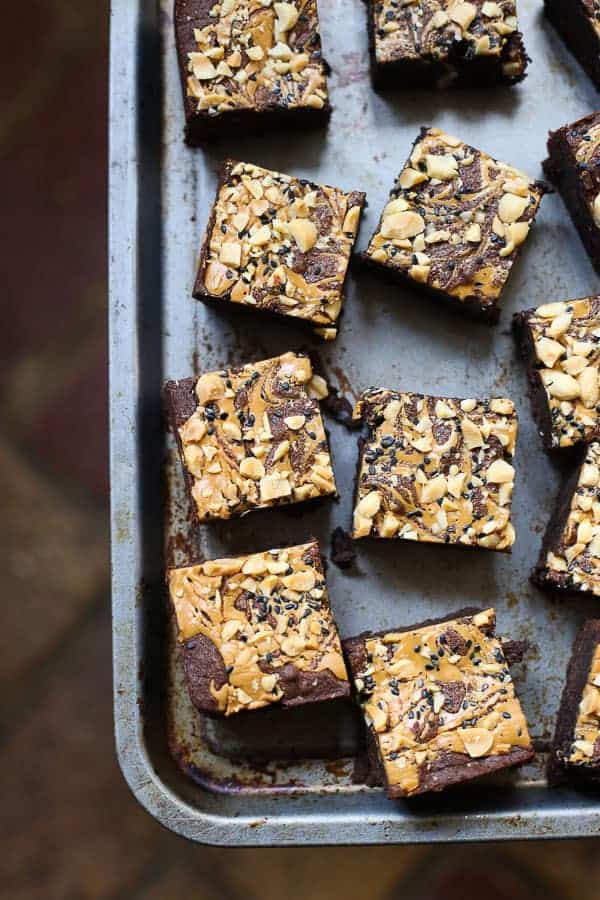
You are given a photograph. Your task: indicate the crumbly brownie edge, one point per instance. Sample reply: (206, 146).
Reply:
(561, 169)
(475, 74)
(582, 652)
(181, 402)
(199, 292)
(577, 33)
(540, 575)
(540, 408)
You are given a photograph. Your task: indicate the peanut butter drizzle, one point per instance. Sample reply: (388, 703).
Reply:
(256, 439)
(258, 54)
(585, 748)
(428, 28)
(282, 244)
(455, 219)
(576, 554)
(566, 337)
(586, 157)
(262, 612)
(440, 689)
(436, 470)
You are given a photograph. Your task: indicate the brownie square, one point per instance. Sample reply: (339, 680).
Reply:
(251, 437)
(257, 630)
(570, 556)
(454, 223)
(560, 344)
(247, 65)
(435, 469)
(439, 702)
(444, 43)
(576, 746)
(577, 22)
(279, 244)
(573, 165)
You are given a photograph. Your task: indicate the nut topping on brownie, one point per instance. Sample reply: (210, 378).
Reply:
(252, 54)
(565, 337)
(430, 31)
(570, 557)
(436, 469)
(258, 630)
(440, 702)
(280, 244)
(255, 439)
(455, 221)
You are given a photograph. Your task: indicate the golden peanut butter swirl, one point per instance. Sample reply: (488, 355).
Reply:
(566, 337)
(257, 54)
(262, 612)
(575, 555)
(439, 690)
(585, 748)
(257, 438)
(587, 158)
(429, 28)
(455, 219)
(281, 244)
(436, 469)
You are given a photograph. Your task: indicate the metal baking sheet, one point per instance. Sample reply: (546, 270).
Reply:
(289, 780)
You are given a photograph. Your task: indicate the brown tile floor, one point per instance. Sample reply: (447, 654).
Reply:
(70, 828)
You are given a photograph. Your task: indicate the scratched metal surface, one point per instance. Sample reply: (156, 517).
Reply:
(283, 780)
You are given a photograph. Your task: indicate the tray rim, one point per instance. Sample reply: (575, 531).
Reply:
(287, 829)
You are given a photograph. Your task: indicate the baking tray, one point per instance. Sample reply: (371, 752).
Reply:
(284, 779)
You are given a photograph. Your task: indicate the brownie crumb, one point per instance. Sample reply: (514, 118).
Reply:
(343, 550)
(340, 409)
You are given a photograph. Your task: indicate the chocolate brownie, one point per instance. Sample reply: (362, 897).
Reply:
(578, 23)
(439, 42)
(439, 702)
(570, 556)
(573, 165)
(435, 469)
(454, 223)
(247, 65)
(576, 746)
(257, 630)
(251, 437)
(279, 244)
(560, 344)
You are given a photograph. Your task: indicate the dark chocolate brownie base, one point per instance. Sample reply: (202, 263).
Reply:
(200, 126)
(540, 407)
(575, 29)
(452, 768)
(461, 70)
(470, 307)
(559, 772)
(540, 576)
(181, 402)
(563, 171)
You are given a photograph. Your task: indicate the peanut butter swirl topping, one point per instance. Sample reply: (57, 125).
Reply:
(437, 691)
(587, 158)
(455, 219)
(257, 438)
(585, 748)
(281, 244)
(566, 337)
(436, 469)
(575, 555)
(430, 28)
(268, 616)
(257, 54)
